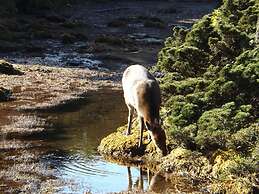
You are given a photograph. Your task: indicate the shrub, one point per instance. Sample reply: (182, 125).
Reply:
(211, 86)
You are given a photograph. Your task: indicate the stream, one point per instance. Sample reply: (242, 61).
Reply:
(69, 147)
(73, 152)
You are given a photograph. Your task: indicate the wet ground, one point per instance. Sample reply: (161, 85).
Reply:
(98, 40)
(106, 35)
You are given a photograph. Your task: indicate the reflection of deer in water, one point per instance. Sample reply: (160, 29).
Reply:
(156, 183)
(142, 93)
(139, 184)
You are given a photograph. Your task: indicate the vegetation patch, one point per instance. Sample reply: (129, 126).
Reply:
(211, 95)
(182, 161)
(119, 145)
(211, 91)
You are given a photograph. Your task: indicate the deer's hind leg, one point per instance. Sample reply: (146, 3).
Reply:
(130, 116)
(141, 128)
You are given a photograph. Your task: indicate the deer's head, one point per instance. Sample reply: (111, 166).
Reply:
(157, 134)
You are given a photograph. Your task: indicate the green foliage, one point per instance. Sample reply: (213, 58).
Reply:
(211, 86)
(245, 139)
(246, 68)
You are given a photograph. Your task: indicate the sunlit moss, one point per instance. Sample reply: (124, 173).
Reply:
(118, 145)
(183, 161)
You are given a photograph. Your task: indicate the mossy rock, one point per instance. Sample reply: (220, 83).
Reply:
(183, 161)
(8, 69)
(232, 185)
(233, 173)
(5, 94)
(119, 145)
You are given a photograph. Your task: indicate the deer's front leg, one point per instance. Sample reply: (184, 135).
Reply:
(130, 116)
(141, 122)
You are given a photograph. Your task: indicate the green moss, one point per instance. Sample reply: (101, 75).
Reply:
(186, 60)
(234, 185)
(119, 146)
(246, 68)
(183, 161)
(245, 140)
(186, 86)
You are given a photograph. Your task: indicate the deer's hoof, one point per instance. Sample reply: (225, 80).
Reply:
(127, 134)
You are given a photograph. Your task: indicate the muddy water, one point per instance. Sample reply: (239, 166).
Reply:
(70, 149)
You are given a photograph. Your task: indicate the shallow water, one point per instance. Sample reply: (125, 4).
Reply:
(69, 149)
(72, 149)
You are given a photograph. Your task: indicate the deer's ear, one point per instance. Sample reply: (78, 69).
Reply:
(148, 126)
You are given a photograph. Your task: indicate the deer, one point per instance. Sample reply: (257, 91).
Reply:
(142, 94)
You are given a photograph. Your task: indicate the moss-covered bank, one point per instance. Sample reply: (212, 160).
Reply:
(211, 97)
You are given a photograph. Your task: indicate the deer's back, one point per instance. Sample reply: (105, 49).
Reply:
(141, 90)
